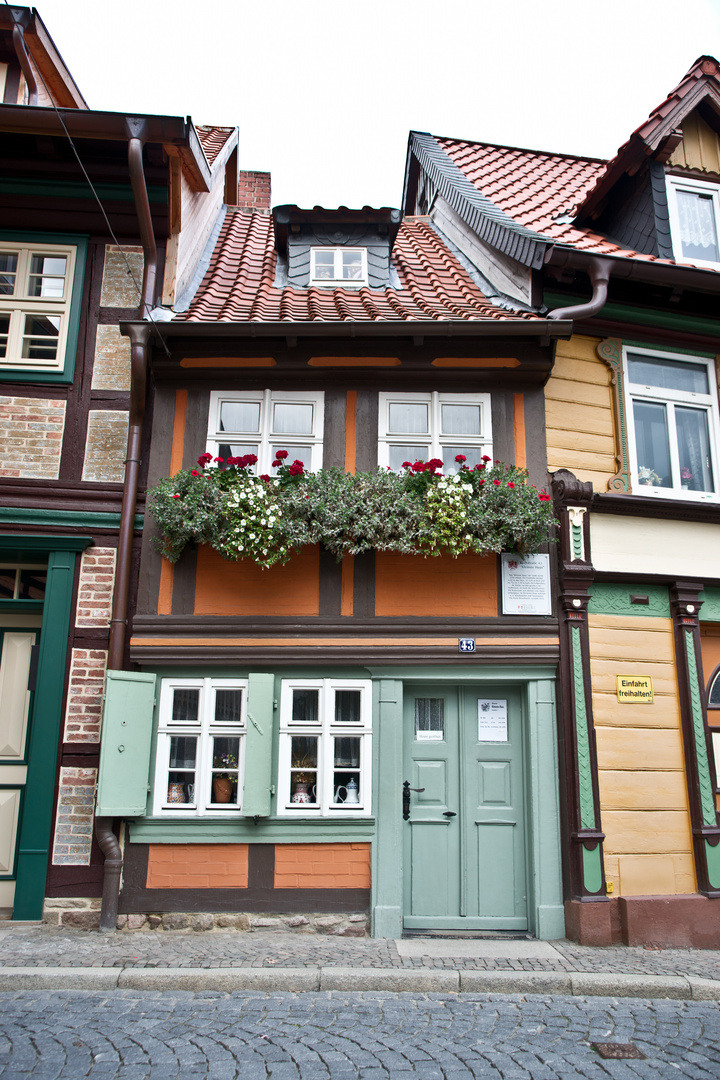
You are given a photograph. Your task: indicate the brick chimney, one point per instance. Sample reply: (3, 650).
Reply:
(254, 191)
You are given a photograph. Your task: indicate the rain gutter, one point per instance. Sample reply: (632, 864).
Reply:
(24, 61)
(559, 327)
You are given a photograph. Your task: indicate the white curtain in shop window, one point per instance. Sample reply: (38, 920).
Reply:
(697, 219)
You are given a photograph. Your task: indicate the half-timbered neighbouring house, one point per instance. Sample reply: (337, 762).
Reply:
(629, 250)
(346, 744)
(102, 217)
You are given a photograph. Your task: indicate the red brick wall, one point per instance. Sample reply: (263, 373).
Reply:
(254, 190)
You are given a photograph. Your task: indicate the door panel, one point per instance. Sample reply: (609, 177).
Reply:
(465, 839)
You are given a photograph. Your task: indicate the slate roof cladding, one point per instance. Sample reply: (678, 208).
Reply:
(239, 284)
(212, 140)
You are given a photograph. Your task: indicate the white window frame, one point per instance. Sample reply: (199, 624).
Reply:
(267, 441)
(696, 187)
(204, 730)
(670, 398)
(20, 304)
(338, 281)
(434, 440)
(326, 729)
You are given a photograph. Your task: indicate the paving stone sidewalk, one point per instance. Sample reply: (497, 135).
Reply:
(60, 947)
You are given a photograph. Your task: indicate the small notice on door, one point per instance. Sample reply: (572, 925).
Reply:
(635, 689)
(526, 585)
(492, 720)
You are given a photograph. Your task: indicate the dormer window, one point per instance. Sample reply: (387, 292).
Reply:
(338, 266)
(694, 215)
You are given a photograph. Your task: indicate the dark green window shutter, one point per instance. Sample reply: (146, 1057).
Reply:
(126, 743)
(259, 747)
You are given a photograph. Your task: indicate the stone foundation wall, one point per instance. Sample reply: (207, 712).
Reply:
(84, 914)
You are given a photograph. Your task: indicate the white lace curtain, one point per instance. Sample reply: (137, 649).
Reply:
(697, 219)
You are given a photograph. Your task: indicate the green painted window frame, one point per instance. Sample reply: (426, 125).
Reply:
(66, 373)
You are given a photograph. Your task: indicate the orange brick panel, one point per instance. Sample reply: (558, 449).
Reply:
(197, 866)
(440, 585)
(322, 866)
(225, 588)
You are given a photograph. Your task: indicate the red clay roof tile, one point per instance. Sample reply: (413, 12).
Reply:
(239, 283)
(212, 140)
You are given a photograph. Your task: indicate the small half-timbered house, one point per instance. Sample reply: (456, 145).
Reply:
(384, 731)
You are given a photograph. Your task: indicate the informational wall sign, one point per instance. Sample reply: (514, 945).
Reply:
(526, 585)
(635, 689)
(492, 720)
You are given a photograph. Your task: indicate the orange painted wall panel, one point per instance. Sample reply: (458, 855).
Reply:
(322, 866)
(242, 588)
(197, 866)
(414, 585)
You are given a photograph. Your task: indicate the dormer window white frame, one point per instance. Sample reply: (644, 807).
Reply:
(36, 294)
(338, 267)
(261, 422)
(414, 426)
(673, 426)
(694, 209)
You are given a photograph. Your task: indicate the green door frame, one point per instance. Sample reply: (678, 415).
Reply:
(46, 721)
(545, 896)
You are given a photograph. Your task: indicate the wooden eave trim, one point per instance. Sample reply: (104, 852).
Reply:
(52, 67)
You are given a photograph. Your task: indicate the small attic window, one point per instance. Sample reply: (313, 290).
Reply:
(694, 215)
(338, 266)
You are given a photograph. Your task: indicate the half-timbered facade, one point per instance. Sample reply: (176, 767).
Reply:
(102, 216)
(385, 732)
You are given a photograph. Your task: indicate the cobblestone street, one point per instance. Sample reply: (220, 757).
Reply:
(335, 1036)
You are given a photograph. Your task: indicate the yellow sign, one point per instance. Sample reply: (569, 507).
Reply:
(635, 689)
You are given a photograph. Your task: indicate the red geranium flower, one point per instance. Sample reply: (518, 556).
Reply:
(460, 458)
(296, 469)
(486, 458)
(204, 459)
(219, 460)
(407, 464)
(282, 454)
(265, 477)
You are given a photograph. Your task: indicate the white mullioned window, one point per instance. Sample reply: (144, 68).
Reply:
(673, 430)
(261, 422)
(694, 209)
(338, 266)
(200, 747)
(35, 299)
(414, 427)
(325, 747)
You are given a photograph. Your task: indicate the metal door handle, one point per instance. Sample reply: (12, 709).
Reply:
(406, 798)
(449, 813)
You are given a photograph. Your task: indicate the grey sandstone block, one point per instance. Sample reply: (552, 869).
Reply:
(611, 984)
(515, 982)
(417, 980)
(704, 989)
(222, 979)
(58, 978)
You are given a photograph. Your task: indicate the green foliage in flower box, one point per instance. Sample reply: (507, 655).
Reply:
(419, 511)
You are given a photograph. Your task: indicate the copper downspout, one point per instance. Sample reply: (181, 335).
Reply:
(24, 60)
(139, 335)
(599, 271)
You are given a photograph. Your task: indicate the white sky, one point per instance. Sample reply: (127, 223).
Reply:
(325, 91)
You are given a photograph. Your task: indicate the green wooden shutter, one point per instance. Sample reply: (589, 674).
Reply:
(257, 789)
(126, 743)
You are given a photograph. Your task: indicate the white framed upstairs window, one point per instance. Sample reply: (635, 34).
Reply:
(338, 266)
(261, 422)
(414, 427)
(324, 757)
(200, 747)
(36, 287)
(672, 425)
(694, 209)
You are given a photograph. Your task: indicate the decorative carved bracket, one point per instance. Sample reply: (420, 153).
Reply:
(610, 352)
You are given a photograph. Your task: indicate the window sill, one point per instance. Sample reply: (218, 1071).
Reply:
(180, 829)
(647, 506)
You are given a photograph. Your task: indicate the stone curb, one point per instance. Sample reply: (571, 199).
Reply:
(347, 980)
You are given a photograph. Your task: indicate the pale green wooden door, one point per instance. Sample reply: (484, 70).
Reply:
(464, 847)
